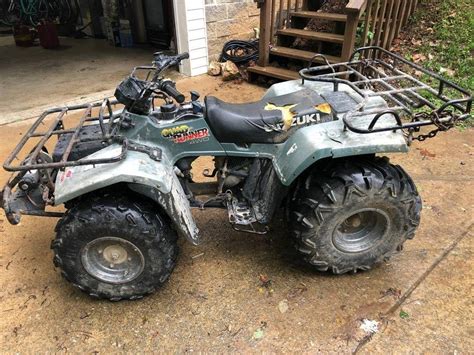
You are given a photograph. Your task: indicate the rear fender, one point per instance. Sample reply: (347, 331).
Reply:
(329, 140)
(311, 143)
(154, 179)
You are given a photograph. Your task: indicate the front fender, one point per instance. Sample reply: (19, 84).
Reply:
(154, 179)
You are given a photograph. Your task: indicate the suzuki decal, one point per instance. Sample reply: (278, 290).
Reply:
(291, 120)
(285, 111)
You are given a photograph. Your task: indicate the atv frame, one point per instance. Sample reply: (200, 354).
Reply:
(267, 155)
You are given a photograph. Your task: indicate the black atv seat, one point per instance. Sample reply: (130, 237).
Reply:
(252, 123)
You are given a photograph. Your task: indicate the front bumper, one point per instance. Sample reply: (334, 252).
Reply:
(16, 202)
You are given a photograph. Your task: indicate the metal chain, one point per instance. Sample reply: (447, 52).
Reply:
(436, 119)
(423, 137)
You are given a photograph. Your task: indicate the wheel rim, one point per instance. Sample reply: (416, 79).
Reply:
(361, 230)
(113, 260)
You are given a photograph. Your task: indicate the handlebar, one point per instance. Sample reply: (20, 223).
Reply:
(169, 87)
(182, 56)
(163, 61)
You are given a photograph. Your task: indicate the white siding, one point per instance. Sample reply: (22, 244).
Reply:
(197, 44)
(191, 35)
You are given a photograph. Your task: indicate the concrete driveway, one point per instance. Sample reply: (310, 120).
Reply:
(216, 300)
(80, 70)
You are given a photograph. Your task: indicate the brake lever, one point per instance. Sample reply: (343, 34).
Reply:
(163, 65)
(163, 62)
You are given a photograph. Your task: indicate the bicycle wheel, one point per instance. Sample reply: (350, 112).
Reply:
(9, 13)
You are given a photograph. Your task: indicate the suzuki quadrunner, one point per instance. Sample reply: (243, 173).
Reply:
(122, 168)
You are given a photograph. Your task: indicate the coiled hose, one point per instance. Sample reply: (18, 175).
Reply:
(239, 52)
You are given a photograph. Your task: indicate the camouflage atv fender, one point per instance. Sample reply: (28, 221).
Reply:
(154, 179)
(331, 140)
(314, 143)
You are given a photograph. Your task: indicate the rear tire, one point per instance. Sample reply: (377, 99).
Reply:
(114, 247)
(353, 213)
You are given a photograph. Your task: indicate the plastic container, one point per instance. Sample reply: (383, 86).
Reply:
(126, 38)
(48, 35)
(23, 36)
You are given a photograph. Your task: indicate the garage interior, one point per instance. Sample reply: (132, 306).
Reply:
(90, 48)
(124, 23)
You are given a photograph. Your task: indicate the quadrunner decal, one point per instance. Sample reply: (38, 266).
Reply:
(184, 133)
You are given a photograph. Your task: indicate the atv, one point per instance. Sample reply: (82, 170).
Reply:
(123, 168)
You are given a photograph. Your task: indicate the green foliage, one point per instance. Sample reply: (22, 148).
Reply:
(360, 34)
(450, 46)
(456, 33)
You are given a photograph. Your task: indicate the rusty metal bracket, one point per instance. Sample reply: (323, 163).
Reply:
(153, 153)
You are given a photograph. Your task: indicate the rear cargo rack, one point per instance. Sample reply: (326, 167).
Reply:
(108, 122)
(411, 102)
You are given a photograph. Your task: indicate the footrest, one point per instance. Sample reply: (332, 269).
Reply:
(242, 217)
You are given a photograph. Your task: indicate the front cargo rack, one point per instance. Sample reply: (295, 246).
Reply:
(415, 96)
(106, 119)
(32, 158)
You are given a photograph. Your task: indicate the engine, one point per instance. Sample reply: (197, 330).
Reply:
(231, 172)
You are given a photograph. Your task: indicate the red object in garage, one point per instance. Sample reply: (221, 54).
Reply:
(48, 35)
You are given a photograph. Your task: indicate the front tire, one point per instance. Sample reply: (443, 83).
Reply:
(353, 213)
(114, 247)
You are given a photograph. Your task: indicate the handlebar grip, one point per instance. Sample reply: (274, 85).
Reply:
(183, 56)
(171, 90)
